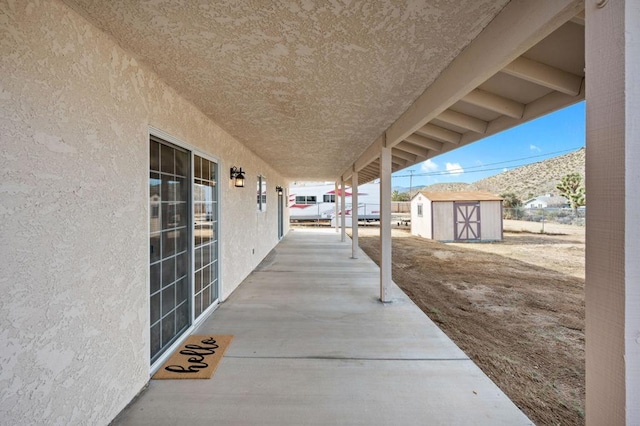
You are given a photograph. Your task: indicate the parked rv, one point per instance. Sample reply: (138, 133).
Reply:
(317, 202)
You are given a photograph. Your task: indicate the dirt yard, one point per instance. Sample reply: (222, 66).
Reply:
(515, 307)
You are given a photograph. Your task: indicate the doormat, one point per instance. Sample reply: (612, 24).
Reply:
(197, 358)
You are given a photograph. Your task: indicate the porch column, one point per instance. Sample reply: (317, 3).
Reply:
(612, 292)
(335, 202)
(385, 223)
(354, 214)
(343, 226)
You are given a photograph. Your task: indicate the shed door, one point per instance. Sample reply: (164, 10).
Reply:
(466, 221)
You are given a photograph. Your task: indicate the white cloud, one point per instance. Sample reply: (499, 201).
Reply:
(532, 147)
(429, 166)
(454, 169)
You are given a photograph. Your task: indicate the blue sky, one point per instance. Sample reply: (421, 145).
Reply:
(549, 136)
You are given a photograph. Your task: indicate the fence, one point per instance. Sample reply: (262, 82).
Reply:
(401, 207)
(563, 216)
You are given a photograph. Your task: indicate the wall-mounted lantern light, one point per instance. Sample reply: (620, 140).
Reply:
(238, 175)
(279, 190)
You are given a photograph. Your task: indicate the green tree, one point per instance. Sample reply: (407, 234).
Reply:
(399, 196)
(511, 203)
(510, 200)
(571, 187)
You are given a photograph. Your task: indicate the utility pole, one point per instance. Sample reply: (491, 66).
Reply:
(410, 182)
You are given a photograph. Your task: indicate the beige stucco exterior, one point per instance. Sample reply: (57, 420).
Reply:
(76, 112)
(297, 74)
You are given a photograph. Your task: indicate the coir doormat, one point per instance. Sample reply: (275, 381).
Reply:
(197, 358)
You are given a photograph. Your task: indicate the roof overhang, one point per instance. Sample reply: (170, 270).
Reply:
(316, 89)
(527, 63)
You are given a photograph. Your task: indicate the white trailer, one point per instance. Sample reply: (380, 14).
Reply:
(317, 202)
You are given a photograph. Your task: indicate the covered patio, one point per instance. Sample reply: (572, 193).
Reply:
(313, 345)
(346, 92)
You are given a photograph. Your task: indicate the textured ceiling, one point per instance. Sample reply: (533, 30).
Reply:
(307, 85)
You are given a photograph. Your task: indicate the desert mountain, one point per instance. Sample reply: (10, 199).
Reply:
(527, 181)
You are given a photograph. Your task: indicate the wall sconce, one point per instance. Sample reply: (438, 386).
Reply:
(238, 175)
(279, 190)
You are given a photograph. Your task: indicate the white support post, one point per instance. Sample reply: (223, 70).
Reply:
(335, 202)
(385, 223)
(612, 291)
(354, 214)
(343, 225)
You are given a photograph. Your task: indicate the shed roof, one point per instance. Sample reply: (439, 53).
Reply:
(460, 196)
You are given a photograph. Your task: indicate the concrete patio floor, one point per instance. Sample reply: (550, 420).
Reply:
(314, 346)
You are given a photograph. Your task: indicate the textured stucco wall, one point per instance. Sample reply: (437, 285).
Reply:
(75, 111)
(329, 76)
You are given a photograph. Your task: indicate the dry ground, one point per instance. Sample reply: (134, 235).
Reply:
(516, 308)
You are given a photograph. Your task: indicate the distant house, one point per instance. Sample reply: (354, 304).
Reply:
(457, 216)
(544, 201)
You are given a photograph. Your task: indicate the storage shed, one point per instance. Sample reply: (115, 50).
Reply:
(457, 216)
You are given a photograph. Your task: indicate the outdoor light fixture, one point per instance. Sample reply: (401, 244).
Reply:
(279, 190)
(238, 175)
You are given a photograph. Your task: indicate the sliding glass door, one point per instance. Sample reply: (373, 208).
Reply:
(183, 241)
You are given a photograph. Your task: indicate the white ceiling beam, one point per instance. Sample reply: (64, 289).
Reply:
(370, 154)
(371, 169)
(370, 176)
(549, 103)
(403, 154)
(439, 133)
(542, 106)
(544, 75)
(397, 160)
(518, 27)
(579, 19)
(414, 149)
(495, 103)
(374, 166)
(424, 142)
(366, 178)
(463, 120)
(533, 110)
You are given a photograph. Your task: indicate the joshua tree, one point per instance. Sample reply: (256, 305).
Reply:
(571, 187)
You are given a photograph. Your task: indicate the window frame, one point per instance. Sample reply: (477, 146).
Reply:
(305, 200)
(261, 193)
(195, 322)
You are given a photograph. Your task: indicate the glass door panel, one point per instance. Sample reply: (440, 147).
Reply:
(168, 240)
(205, 235)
